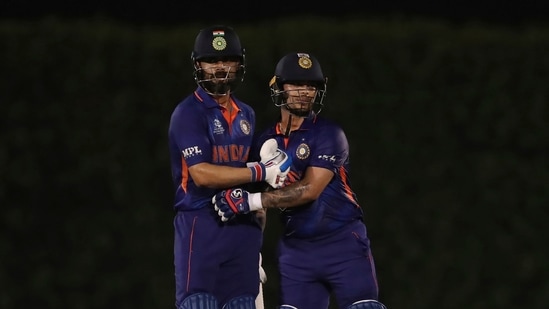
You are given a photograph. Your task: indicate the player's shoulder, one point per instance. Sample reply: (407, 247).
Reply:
(327, 125)
(188, 104)
(187, 112)
(245, 107)
(330, 132)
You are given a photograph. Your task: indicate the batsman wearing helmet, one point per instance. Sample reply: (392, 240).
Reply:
(210, 136)
(325, 249)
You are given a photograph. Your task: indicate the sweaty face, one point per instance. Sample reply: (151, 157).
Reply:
(219, 76)
(219, 70)
(299, 98)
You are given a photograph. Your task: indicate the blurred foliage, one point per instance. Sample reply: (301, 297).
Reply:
(447, 127)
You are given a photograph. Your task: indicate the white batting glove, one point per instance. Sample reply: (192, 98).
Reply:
(273, 167)
(277, 163)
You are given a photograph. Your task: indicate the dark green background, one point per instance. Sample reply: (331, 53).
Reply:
(447, 126)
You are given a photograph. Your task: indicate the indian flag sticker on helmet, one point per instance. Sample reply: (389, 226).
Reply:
(304, 61)
(219, 43)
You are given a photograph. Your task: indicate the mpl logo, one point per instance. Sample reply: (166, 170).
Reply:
(191, 152)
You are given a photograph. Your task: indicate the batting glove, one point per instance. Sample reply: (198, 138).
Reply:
(228, 203)
(274, 165)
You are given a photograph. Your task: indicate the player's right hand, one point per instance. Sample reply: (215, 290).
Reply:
(274, 165)
(231, 202)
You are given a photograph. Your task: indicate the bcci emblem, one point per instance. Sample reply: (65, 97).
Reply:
(245, 127)
(304, 61)
(219, 43)
(303, 151)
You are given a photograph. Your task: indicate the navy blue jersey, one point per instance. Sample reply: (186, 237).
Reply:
(319, 143)
(200, 132)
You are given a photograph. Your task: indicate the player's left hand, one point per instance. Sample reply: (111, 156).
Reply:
(277, 163)
(231, 202)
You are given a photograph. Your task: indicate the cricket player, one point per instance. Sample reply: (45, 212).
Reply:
(210, 135)
(325, 248)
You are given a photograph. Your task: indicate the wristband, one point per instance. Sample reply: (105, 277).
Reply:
(254, 201)
(258, 172)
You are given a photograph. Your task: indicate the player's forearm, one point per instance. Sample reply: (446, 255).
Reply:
(261, 216)
(294, 195)
(218, 176)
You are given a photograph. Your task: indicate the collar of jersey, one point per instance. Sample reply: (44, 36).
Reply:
(306, 125)
(205, 98)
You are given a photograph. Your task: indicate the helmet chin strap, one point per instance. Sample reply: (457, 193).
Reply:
(288, 126)
(291, 113)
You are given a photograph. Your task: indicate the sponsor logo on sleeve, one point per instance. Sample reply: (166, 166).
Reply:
(191, 152)
(329, 158)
